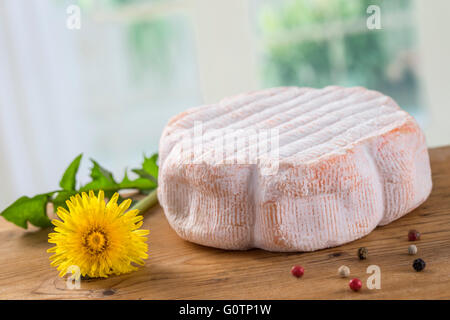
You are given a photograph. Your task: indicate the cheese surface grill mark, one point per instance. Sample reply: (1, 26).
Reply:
(349, 160)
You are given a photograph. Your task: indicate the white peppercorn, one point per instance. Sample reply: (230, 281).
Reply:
(412, 249)
(344, 271)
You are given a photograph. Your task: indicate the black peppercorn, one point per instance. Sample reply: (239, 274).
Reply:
(419, 265)
(363, 253)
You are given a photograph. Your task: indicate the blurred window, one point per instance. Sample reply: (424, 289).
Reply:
(139, 69)
(317, 43)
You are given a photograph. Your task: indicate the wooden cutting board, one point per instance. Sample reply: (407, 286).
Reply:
(178, 269)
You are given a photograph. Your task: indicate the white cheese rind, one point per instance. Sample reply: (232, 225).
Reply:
(349, 160)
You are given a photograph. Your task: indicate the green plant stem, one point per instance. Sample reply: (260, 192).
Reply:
(146, 203)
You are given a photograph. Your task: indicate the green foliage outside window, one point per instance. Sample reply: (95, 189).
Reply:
(367, 54)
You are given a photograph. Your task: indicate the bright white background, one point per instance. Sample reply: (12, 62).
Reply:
(63, 92)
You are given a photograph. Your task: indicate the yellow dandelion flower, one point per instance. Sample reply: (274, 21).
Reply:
(101, 239)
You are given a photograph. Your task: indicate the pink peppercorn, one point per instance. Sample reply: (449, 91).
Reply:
(413, 235)
(297, 271)
(355, 284)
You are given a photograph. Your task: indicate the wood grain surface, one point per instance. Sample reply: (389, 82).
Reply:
(178, 269)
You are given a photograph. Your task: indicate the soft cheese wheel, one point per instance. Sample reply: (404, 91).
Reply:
(348, 160)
